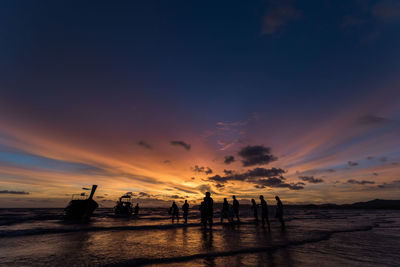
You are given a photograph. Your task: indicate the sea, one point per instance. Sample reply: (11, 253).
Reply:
(316, 237)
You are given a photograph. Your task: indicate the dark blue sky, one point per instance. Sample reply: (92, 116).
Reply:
(200, 53)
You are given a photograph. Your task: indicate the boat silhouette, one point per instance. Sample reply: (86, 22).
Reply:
(124, 206)
(81, 207)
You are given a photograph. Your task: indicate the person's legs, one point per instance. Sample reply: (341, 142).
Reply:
(269, 226)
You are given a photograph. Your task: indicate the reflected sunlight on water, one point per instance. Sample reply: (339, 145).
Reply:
(329, 236)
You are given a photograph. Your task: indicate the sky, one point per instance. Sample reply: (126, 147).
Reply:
(165, 100)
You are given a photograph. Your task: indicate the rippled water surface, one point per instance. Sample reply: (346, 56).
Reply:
(39, 237)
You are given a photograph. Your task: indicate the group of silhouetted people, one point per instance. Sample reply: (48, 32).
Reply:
(228, 211)
(207, 210)
(125, 208)
(264, 211)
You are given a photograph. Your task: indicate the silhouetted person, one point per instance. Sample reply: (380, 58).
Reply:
(225, 210)
(279, 211)
(254, 208)
(264, 213)
(202, 213)
(185, 209)
(174, 212)
(235, 206)
(208, 210)
(136, 210)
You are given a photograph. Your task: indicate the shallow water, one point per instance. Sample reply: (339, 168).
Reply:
(39, 237)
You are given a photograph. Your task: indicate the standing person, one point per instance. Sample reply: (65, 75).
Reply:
(208, 210)
(225, 210)
(254, 208)
(202, 213)
(264, 213)
(136, 210)
(185, 209)
(279, 211)
(174, 210)
(235, 206)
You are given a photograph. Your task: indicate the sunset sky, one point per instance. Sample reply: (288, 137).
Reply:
(170, 99)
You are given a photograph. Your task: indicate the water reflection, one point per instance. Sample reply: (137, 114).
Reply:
(285, 253)
(208, 246)
(76, 245)
(207, 240)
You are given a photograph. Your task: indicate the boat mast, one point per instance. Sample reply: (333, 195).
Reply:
(93, 190)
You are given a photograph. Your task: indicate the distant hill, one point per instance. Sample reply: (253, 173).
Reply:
(373, 204)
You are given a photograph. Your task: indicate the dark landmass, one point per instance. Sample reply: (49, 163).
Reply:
(373, 204)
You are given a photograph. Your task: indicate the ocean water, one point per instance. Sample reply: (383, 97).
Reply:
(39, 237)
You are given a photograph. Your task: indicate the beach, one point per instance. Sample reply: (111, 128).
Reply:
(39, 237)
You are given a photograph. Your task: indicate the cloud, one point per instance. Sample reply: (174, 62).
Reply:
(205, 188)
(228, 172)
(256, 155)
(143, 194)
(229, 125)
(229, 134)
(363, 182)
(262, 172)
(316, 171)
(311, 179)
(386, 10)
(258, 176)
(391, 185)
(229, 159)
(249, 175)
(202, 169)
(185, 190)
(352, 163)
(175, 197)
(144, 144)
(277, 183)
(278, 16)
(181, 144)
(371, 120)
(371, 13)
(14, 192)
(220, 186)
(167, 161)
